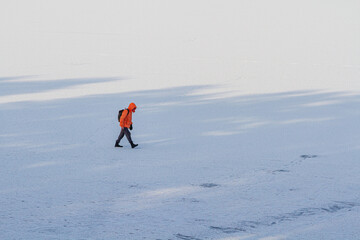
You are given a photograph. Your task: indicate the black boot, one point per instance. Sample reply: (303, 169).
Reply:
(133, 145)
(117, 145)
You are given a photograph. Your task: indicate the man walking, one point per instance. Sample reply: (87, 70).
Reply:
(126, 124)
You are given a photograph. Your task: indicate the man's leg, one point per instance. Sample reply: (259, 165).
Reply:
(128, 136)
(121, 135)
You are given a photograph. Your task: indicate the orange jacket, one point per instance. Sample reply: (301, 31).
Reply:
(126, 117)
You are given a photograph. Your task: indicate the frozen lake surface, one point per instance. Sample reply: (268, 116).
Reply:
(247, 120)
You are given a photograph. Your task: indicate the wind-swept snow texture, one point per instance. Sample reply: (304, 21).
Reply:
(247, 119)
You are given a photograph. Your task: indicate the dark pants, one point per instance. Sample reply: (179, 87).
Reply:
(124, 131)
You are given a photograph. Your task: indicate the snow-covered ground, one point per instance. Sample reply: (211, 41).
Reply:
(247, 119)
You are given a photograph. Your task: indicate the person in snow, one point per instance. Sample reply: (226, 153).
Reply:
(126, 124)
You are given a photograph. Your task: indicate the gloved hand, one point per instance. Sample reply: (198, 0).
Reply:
(131, 127)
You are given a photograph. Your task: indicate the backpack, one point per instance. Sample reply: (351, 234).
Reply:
(121, 112)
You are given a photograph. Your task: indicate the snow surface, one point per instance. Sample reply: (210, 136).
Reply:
(247, 119)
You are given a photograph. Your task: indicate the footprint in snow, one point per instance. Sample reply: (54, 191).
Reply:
(280, 171)
(305, 156)
(209, 185)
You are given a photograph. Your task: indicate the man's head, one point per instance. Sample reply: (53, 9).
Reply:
(132, 107)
